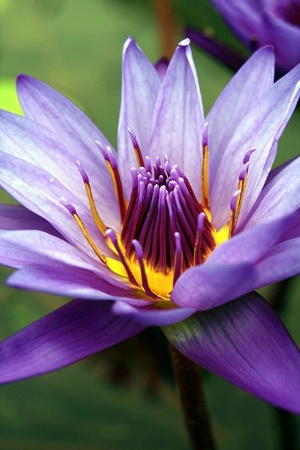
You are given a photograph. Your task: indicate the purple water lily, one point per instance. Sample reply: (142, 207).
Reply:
(260, 22)
(175, 230)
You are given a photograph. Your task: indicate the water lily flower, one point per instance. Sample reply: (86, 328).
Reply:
(176, 229)
(258, 23)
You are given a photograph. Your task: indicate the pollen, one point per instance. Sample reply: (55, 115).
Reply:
(165, 229)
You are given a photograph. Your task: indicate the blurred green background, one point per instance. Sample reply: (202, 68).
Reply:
(125, 398)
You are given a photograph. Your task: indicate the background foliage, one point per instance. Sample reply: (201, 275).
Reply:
(123, 398)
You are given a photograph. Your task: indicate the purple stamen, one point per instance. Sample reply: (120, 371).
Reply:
(68, 206)
(185, 218)
(174, 175)
(133, 138)
(244, 171)
(102, 150)
(200, 244)
(205, 135)
(82, 172)
(200, 223)
(111, 158)
(234, 211)
(168, 167)
(148, 224)
(162, 203)
(148, 166)
(233, 201)
(140, 256)
(178, 257)
(248, 155)
(136, 147)
(143, 172)
(134, 178)
(162, 224)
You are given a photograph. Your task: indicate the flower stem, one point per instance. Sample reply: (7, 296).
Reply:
(287, 434)
(189, 382)
(167, 28)
(286, 430)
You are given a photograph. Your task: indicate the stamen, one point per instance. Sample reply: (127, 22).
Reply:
(77, 218)
(248, 155)
(149, 222)
(198, 256)
(168, 167)
(189, 190)
(157, 252)
(113, 169)
(138, 152)
(183, 223)
(126, 229)
(132, 225)
(205, 200)
(114, 240)
(140, 257)
(237, 200)
(233, 212)
(97, 219)
(148, 166)
(178, 257)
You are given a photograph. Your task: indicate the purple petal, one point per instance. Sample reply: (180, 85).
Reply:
(17, 258)
(178, 118)
(274, 172)
(16, 217)
(140, 86)
(76, 133)
(24, 248)
(240, 96)
(279, 197)
(72, 332)
(293, 230)
(231, 270)
(152, 315)
(281, 262)
(209, 285)
(268, 123)
(40, 146)
(242, 17)
(60, 279)
(53, 250)
(284, 36)
(36, 190)
(245, 343)
(260, 129)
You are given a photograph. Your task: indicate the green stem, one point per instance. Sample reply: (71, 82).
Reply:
(189, 382)
(287, 435)
(167, 27)
(286, 427)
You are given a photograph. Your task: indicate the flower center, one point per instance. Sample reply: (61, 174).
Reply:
(165, 229)
(169, 224)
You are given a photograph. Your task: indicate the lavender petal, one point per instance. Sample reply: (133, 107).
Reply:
(178, 117)
(72, 332)
(140, 86)
(244, 342)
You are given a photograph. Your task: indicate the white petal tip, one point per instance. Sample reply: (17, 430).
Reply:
(184, 43)
(129, 41)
